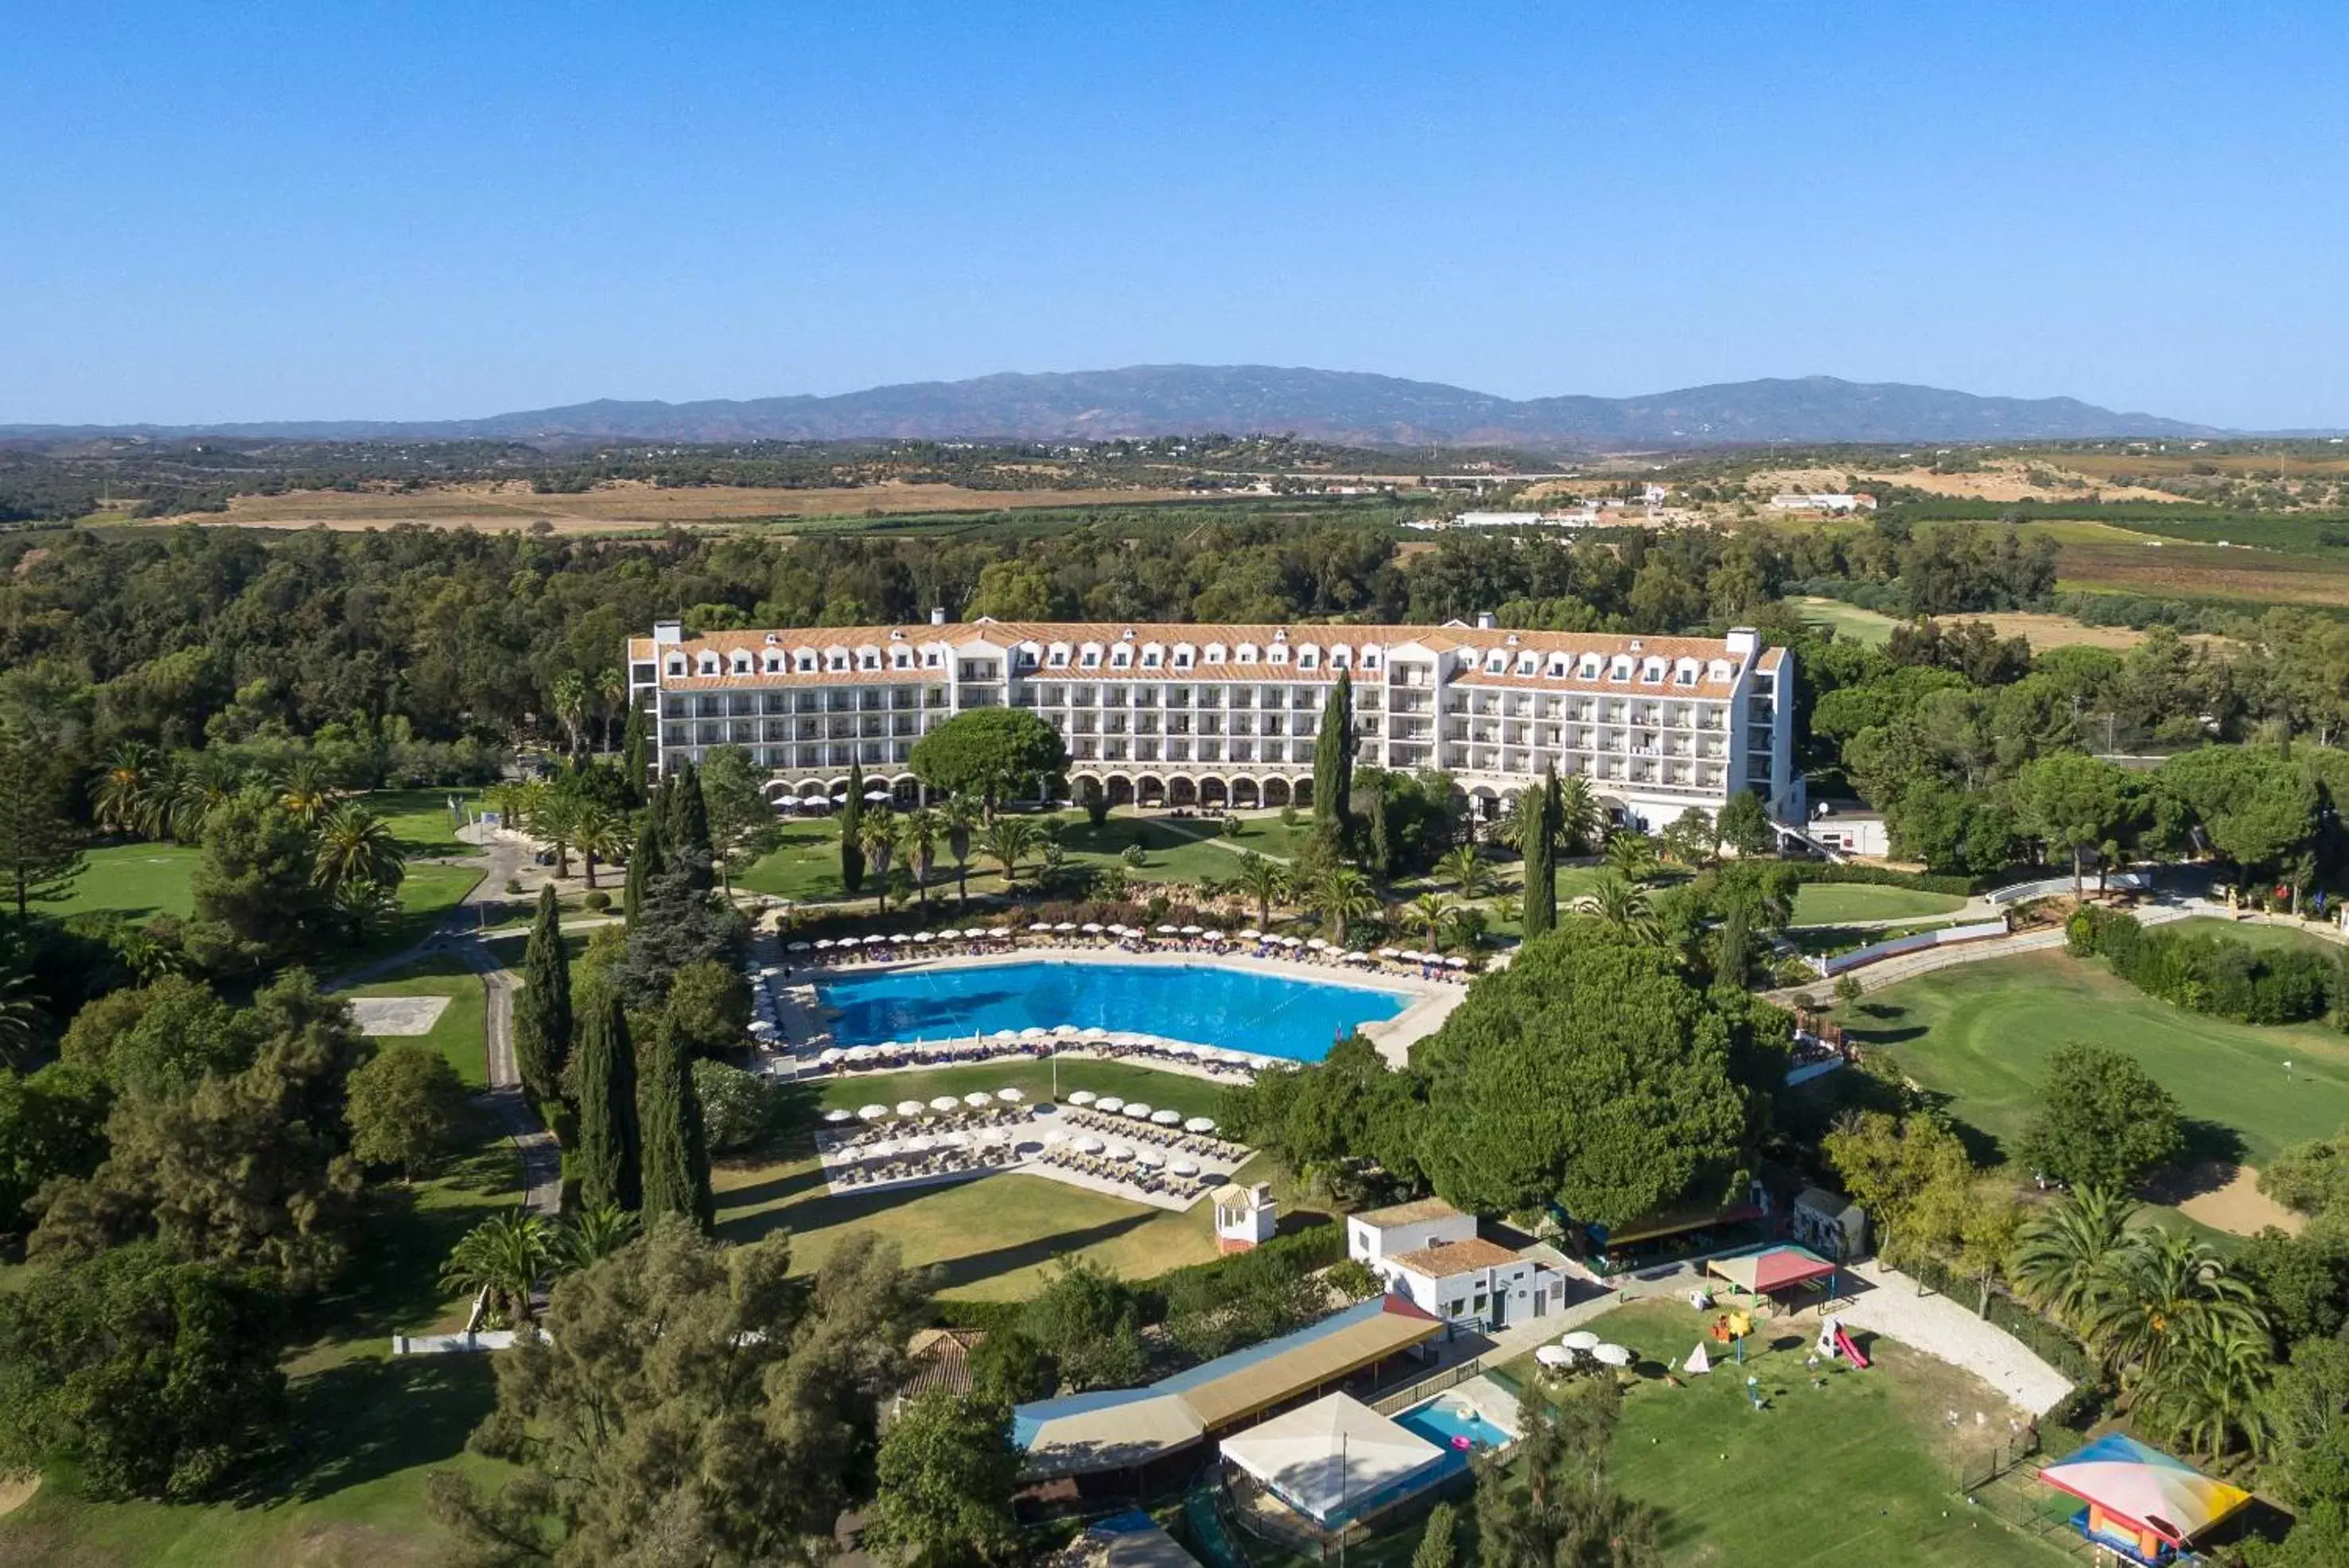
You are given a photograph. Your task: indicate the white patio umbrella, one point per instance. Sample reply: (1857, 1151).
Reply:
(877, 939)
(1138, 1110)
(885, 1147)
(1082, 1097)
(1109, 1102)
(1610, 1355)
(998, 936)
(1093, 1033)
(1580, 1339)
(1455, 964)
(1251, 934)
(951, 1139)
(1200, 1124)
(1035, 1034)
(909, 1108)
(860, 1052)
(1005, 1034)
(838, 1114)
(1170, 931)
(871, 1113)
(1184, 1168)
(877, 795)
(1166, 1118)
(926, 937)
(796, 948)
(1194, 930)
(823, 944)
(762, 1026)
(1088, 1146)
(1064, 926)
(1389, 953)
(1358, 956)
(1317, 945)
(1066, 1032)
(1119, 1151)
(1553, 1355)
(1149, 1157)
(946, 1102)
(1010, 1096)
(912, 1145)
(1290, 942)
(979, 1097)
(1092, 928)
(827, 1056)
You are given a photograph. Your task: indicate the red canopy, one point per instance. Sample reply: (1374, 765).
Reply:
(1772, 1268)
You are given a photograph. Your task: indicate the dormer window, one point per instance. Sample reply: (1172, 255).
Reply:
(1684, 674)
(934, 660)
(1308, 657)
(1122, 657)
(871, 658)
(1279, 654)
(1150, 657)
(1651, 671)
(739, 664)
(1214, 653)
(1370, 659)
(1590, 670)
(838, 660)
(1090, 658)
(1058, 657)
(1718, 671)
(1182, 656)
(1496, 662)
(706, 665)
(1558, 667)
(1528, 662)
(676, 664)
(901, 659)
(1620, 669)
(1247, 653)
(773, 663)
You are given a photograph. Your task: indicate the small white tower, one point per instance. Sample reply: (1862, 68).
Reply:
(1244, 1216)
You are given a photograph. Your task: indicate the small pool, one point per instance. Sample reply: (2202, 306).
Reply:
(1445, 1419)
(1206, 1004)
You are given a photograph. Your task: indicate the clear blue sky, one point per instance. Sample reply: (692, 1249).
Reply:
(359, 211)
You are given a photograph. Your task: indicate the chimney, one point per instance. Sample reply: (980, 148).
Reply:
(668, 631)
(938, 615)
(1743, 642)
(1484, 621)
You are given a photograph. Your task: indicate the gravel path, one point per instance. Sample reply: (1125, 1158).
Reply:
(1947, 1330)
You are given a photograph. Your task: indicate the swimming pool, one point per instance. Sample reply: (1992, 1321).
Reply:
(1206, 1004)
(1446, 1418)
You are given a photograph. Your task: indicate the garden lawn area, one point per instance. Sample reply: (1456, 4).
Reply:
(427, 895)
(364, 1429)
(1841, 903)
(1861, 1471)
(1866, 627)
(1981, 1033)
(993, 1235)
(461, 1031)
(2255, 934)
(137, 880)
(421, 818)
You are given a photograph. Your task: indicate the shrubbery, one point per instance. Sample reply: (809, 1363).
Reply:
(2214, 975)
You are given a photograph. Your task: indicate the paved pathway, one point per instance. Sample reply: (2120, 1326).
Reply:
(1907, 966)
(1897, 1307)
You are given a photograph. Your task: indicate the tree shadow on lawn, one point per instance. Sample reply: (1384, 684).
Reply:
(774, 1190)
(392, 1282)
(2210, 1159)
(369, 1418)
(956, 1272)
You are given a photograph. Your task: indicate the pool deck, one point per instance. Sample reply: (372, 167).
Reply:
(1432, 1001)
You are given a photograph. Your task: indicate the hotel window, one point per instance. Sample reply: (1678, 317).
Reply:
(933, 660)
(708, 664)
(804, 662)
(1496, 662)
(1182, 658)
(1058, 658)
(1590, 670)
(1279, 654)
(774, 664)
(1150, 658)
(871, 659)
(1247, 653)
(1370, 659)
(1306, 658)
(1092, 659)
(839, 660)
(901, 660)
(1528, 663)
(677, 665)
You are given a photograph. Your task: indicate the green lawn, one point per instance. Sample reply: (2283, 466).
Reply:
(1841, 903)
(991, 1237)
(363, 1430)
(1860, 1470)
(420, 817)
(137, 880)
(1980, 1033)
(2255, 934)
(1862, 626)
(459, 1032)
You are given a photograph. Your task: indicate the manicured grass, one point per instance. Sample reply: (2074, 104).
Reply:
(1866, 627)
(1981, 1033)
(1861, 1470)
(1841, 903)
(364, 1428)
(459, 1032)
(420, 817)
(427, 895)
(2256, 934)
(137, 880)
(993, 1236)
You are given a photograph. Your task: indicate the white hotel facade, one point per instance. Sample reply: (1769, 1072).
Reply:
(1192, 714)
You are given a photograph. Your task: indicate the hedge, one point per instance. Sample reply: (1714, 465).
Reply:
(2214, 975)
(1883, 876)
(1314, 1247)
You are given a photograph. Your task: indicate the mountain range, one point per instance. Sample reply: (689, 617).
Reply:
(1351, 407)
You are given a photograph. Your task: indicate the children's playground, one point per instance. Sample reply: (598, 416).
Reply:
(1765, 1436)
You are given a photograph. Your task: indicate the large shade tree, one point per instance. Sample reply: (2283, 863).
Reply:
(992, 754)
(1593, 1074)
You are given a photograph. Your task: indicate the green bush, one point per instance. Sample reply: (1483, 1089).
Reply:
(596, 901)
(2215, 975)
(1886, 877)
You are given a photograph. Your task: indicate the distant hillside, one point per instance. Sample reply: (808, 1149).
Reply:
(1326, 405)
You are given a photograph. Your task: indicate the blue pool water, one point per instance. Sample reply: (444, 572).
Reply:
(1206, 1004)
(1439, 1423)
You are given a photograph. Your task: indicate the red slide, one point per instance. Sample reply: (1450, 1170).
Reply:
(1851, 1351)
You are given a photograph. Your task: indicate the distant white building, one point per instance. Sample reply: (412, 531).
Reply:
(1851, 830)
(1835, 502)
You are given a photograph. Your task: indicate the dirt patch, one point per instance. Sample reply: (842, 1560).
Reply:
(1995, 481)
(634, 505)
(2165, 570)
(2225, 1198)
(17, 1491)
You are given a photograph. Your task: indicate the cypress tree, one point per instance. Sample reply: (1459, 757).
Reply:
(644, 865)
(1541, 857)
(852, 824)
(542, 1021)
(676, 1152)
(1382, 847)
(607, 1161)
(1730, 972)
(636, 750)
(689, 835)
(1333, 764)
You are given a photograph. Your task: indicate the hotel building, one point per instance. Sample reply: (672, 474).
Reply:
(1206, 715)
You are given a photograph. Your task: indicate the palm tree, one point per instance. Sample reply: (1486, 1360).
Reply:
(1341, 894)
(1615, 902)
(600, 835)
(355, 845)
(1430, 912)
(877, 836)
(2210, 1388)
(20, 1021)
(1010, 841)
(505, 1255)
(555, 819)
(192, 785)
(1509, 829)
(961, 817)
(304, 791)
(120, 793)
(588, 1237)
(570, 695)
(1579, 818)
(1464, 869)
(924, 829)
(1263, 882)
(1632, 854)
(2163, 1294)
(2066, 1255)
(361, 905)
